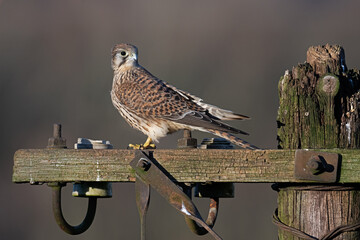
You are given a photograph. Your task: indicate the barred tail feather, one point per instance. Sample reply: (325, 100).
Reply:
(233, 139)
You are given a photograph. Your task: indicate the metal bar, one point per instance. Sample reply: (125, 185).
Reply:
(142, 191)
(153, 174)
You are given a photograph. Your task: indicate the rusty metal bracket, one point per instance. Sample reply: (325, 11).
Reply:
(91, 190)
(317, 166)
(60, 220)
(150, 173)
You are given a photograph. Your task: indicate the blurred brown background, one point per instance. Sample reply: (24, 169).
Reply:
(55, 67)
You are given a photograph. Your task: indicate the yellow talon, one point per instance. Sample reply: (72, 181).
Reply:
(151, 146)
(135, 146)
(147, 145)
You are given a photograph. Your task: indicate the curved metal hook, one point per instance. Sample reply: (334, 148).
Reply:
(211, 219)
(66, 227)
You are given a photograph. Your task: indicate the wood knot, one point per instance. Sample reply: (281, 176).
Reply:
(329, 84)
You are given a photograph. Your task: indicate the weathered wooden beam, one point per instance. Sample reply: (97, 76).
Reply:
(195, 165)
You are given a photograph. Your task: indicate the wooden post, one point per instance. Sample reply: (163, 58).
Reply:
(319, 109)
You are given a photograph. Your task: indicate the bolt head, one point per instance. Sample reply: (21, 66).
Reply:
(56, 143)
(315, 166)
(187, 143)
(144, 164)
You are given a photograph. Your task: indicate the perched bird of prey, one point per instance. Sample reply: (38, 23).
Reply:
(156, 108)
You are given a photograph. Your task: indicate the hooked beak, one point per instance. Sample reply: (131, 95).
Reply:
(133, 57)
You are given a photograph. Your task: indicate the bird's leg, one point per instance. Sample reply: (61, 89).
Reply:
(147, 145)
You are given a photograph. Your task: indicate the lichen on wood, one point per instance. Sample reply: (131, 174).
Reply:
(319, 102)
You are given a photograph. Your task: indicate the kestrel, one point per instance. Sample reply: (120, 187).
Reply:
(156, 108)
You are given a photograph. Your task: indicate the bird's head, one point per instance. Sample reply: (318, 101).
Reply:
(123, 55)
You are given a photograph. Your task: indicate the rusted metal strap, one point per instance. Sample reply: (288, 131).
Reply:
(142, 191)
(149, 172)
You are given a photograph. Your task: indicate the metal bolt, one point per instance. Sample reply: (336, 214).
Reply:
(57, 130)
(187, 141)
(144, 164)
(56, 141)
(314, 165)
(187, 133)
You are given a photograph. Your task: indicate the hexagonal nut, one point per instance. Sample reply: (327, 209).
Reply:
(56, 143)
(187, 143)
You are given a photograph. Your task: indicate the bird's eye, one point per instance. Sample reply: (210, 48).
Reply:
(123, 53)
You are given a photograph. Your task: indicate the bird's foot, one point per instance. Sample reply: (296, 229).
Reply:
(141, 146)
